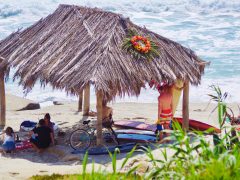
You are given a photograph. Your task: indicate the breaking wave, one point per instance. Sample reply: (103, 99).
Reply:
(210, 27)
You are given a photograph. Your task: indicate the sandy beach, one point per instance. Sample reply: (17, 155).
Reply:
(58, 159)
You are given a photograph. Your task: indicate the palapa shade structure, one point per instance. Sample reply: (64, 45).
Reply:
(76, 46)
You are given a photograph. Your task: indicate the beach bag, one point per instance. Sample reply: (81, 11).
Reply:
(27, 125)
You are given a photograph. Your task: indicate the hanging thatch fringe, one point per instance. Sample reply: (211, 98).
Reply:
(77, 45)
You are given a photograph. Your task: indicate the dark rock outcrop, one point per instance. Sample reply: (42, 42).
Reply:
(57, 103)
(31, 106)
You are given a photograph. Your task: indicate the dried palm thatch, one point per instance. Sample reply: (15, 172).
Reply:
(76, 45)
(1, 59)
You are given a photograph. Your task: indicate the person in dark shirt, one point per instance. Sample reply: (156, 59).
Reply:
(48, 123)
(41, 136)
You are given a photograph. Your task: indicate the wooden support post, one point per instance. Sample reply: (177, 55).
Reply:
(99, 117)
(80, 100)
(185, 106)
(2, 101)
(86, 100)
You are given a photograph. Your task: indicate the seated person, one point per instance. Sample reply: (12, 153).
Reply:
(8, 141)
(41, 136)
(48, 123)
(107, 113)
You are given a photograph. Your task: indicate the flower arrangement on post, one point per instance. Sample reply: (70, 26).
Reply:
(140, 47)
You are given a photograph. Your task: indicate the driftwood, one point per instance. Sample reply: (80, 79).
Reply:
(77, 45)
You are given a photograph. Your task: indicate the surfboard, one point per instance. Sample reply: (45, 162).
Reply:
(105, 150)
(128, 124)
(193, 124)
(197, 125)
(134, 131)
(136, 137)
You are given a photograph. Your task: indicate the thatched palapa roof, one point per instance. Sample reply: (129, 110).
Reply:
(76, 45)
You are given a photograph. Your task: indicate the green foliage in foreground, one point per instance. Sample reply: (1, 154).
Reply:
(95, 176)
(193, 158)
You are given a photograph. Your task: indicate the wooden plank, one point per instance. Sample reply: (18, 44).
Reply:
(185, 106)
(99, 117)
(80, 101)
(86, 105)
(2, 101)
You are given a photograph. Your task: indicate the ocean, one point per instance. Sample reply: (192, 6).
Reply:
(209, 27)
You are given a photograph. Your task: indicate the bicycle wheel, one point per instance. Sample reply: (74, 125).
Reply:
(80, 139)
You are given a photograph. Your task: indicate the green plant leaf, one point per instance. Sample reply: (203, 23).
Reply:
(84, 164)
(128, 156)
(131, 171)
(114, 159)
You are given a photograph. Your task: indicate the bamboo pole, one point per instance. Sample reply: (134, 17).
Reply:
(86, 105)
(80, 100)
(2, 101)
(99, 117)
(185, 106)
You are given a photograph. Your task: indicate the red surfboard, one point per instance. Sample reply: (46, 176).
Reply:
(197, 125)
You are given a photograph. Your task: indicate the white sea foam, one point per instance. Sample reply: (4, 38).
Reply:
(210, 27)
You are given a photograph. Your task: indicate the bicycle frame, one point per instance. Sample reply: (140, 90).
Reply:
(92, 132)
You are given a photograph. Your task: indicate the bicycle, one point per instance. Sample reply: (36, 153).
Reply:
(83, 138)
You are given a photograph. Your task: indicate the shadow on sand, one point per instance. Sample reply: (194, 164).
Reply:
(61, 154)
